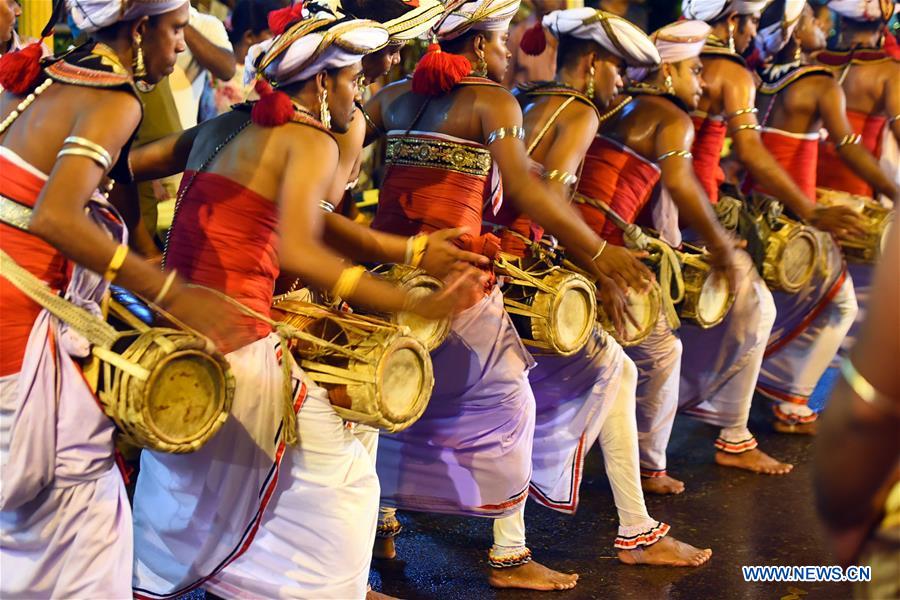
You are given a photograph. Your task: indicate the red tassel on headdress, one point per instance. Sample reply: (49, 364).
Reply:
(534, 42)
(21, 70)
(438, 71)
(273, 108)
(281, 19)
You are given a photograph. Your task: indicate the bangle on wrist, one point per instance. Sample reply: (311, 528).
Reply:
(415, 249)
(166, 287)
(115, 263)
(347, 282)
(599, 251)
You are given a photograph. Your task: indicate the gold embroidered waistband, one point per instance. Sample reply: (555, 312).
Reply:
(438, 154)
(14, 214)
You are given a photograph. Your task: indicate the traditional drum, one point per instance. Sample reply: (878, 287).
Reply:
(374, 371)
(644, 311)
(552, 308)
(877, 219)
(162, 386)
(417, 283)
(707, 295)
(791, 248)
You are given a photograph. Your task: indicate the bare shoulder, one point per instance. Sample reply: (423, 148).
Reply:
(492, 97)
(114, 106)
(394, 90)
(305, 140)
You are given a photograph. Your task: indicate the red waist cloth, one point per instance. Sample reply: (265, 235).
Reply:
(618, 177)
(797, 156)
(834, 173)
(17, 311)
(709, 139)
(225, 237)
(425, 199)
(513, 220)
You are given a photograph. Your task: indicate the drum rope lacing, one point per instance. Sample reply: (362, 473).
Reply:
(669, 264)
(285, 332)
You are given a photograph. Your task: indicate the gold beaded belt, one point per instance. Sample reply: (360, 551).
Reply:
(438, 154)
(14, 213)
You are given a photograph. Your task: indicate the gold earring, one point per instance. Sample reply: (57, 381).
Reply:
(324, 112)
(798, 53)
(589, 90)
(669, 86)
(731, 36)
(480, 68)
(139, 69)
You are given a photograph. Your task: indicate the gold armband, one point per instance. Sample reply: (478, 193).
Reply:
(600, 251)
(326, 206)
(753, 126)
(415, 249)
(743, 111)
(505, 132)
(678, 153)
(347, 282)
(85, 147)
(847, 140)
(563, 177)
(115, 263)
(166, 286)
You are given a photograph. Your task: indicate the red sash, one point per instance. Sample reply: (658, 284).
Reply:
(709, 139)
(618, 177)
(40, 258)
(834, 173)
(225, 237)
(796, 155)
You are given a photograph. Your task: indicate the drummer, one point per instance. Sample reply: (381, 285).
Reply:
(284, 473)
(645, 138)
(868, 74)
(589, 396)
(812, 323)
(453, 134)
(66, 521)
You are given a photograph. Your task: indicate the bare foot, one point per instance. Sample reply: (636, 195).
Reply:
(384, 549)
(668, 552)
(532, 576)
(663, 486)
(373, 595)
(753, 460)
(796, 428)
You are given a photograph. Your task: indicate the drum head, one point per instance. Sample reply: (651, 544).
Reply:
(714, 299)
(406, 381)
(799, 260)
(185, 396)
(573, 316)
(428, 331)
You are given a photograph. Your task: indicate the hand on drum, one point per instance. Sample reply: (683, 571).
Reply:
(842, 221)
(461, 286)
(441, 254)
(208, 313)
(623, 267)
(723, 259)
(615, 304)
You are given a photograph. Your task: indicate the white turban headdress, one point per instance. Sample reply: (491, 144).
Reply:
(777, 25)
(615, 34)
(676, 42)
(865, 10)
(313, 45)
(92, 15)
(483, 15)
(419, 17)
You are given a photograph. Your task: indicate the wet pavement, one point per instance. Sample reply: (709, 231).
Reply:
(747, 519)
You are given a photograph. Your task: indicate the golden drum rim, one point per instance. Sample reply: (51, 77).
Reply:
(696, 271)
(776, 245)
(655, 301)
(544, 330)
